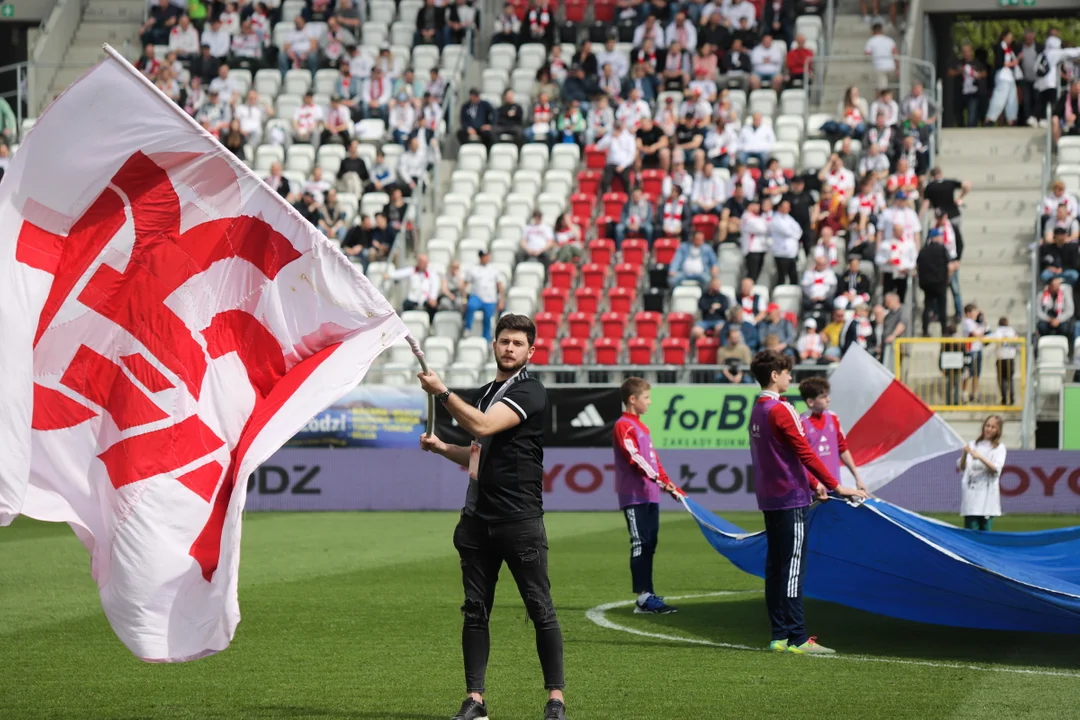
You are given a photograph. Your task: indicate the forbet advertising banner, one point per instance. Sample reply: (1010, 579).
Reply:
(702, 417)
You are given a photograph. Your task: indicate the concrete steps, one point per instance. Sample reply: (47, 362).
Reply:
(116, 11)
(968, 425)
(94, 32)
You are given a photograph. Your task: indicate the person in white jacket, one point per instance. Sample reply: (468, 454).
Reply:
(754, 229)
(756, 141)
(982, 463)
(785, 236)
(1047, 68)
(896, 257)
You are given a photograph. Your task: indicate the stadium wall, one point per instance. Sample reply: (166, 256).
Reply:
(1033, 481)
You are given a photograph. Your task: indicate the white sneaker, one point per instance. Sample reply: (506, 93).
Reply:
(1044, 124)
(1032, 122)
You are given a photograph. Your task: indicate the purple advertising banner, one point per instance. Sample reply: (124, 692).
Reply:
(1033, 481)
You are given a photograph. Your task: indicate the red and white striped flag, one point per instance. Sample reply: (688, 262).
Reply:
(889, 428)
(168, 323)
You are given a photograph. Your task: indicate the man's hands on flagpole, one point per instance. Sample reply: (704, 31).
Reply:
(431, 382)
(432, 443)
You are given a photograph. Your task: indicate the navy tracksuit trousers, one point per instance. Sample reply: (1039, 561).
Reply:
(785, 568)
(643, 521)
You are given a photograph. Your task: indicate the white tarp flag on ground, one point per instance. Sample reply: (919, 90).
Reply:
(889, 428)
(167, 323)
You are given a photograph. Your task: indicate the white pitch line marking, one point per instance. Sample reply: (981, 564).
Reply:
(597, 616)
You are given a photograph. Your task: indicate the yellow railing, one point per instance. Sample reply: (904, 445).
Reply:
(952, 374)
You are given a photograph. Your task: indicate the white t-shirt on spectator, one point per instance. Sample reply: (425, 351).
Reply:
(1005, 351)
(184, 42)
(251, 118)
(220, 41)
(881, 49)
(744, 9)
(299, 41)
(226, 90)
(484, 282)
(318, 189)
(537, 237)
(767, 61)
(308, 118)
(842, 181)
(423, 285)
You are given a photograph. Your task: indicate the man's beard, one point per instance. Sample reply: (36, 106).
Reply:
(510, 367)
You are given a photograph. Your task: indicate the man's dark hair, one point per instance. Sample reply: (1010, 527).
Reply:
(813, 388)
(631, 387)
(766, 362)
(516, 323)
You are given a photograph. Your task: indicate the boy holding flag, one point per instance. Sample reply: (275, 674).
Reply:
(785, 491)
(638, 479)
(823, 431)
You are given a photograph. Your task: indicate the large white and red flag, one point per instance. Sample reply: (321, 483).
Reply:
(168, 322)
(889, 428)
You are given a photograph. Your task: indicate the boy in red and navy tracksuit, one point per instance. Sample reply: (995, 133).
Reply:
(785, 491)
(638, 479)
(823, 431)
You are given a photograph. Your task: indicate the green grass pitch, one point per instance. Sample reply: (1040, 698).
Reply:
(356, 616)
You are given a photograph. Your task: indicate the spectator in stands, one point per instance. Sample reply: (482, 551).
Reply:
(811, 345)
(1058, 196)
(484, 287)
(779, 19)
(706, 66)
(713, 305)
(709, 192)
(642, 80)
(383, 178)
(941, 195)
(652, 146)
(1064, 223)
(859, 331)
(308, 120)
(832, 333)
(317, 185)
(452, 296)
(774, 182)
(853, 118)
(1052, 262)
(507, 27)
(301, 48)
(357, 243)
(541, 126)
(621, 147)
(904, 180)
(778, 327)
(837, 181)
(721, 144)
(874, 165)
(882, 137)
(854, 286)
(334, 42)
(347, 87)
(431, 117)
(732, 212)
(435, 86)
(740, 10)
(205, 65)
(347, 13)
(785, 236)
(430, 25)
(569, 240)
(915, 138)
(246, 48)
(609, 55)
(278, 182)
(1066, 118)
(1006, 360)
(382, 238)
(645, 52)
(402, 118)
(637, 218)
(539, 24)
(537, 241)
(885, 105)
(882, 52)
(819, 287)
(233, 139)
(546, 85)
(682, 32)
(752, 303)
(797, 58)
(767, 63)
(477, 119)
(412, 167)
(972, 90)
(1055, 311)
(600, 121)
(332, 222)
(932, 270)
(424, 286)
(674, 214)
(693, 262)
(732, 356)
(690, 140)
(918, 100)
(338, 128)
(460, 19)
(754, 230)
(737, 65)
(353, 174)
(715, 32)
(214, 115)
(509, 120)
(891, 327)
(827, 248)
(675, 73)
(1007, 62)
(159, 23)
(756, 141)
(309, 208)
(395, 211)
(184, 39)
(973, 327)
(376, 103)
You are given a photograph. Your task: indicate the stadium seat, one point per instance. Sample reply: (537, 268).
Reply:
(589, 183)
(606, 350)
(461, 376)
(580, 324)
(572, 350)
(502, 56)
(439, 351)
(594, 276)
(685, 299)
(679, 324)
(641, 350)
(595, 158)
(621, 300)
(613, 203)
(1069, 150)
(647, 324)
(706, 350)
(634, 251)
(473, 351)
(664, 250)
(707, 224)
(555, 300)
(587, 299)
(562, 275)
(547, 324)
(612, 325)
(628, 275)
(788, 297)
(418, 322)
(601, 251)
(675, 351)
(652, 182)
(533, 156)
(503, 251)
(521, 301)
(447, 323)
(582, 204)
(565, 156)
(472, 156)
(542, 354)
(529, 274)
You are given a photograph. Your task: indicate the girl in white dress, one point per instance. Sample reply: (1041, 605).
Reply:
(981, 463)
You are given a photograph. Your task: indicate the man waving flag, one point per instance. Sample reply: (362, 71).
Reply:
(168, 323)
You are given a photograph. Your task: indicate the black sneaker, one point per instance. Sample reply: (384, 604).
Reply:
(472, 710)
(555, 710)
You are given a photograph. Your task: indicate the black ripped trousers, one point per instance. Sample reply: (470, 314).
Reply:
(483, 547)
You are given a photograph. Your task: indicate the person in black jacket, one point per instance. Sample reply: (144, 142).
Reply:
(853, 285)
(779, 20)
(932, 267)
(509, 120)
(477, 119)
(430, 25)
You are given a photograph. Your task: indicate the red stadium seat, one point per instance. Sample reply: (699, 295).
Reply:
(581, 324)
(607, 350)
(641, 350)
(613, 325)
(627, 275)
(595, 158)
(582, 205)
(561, 275)
(613, 203)
(679, 324)
(708, 224)
(601, 251)
(594, 276)
(647, 324)
(664, 250)
(542, 355)
(706, 349)
(604, 224)
(755, 172)
(575, 11)
(555, 300)
(547, 324)
(604, 11)
(652, 182)
(589, 183)
(573, 351)
(588, 299)
(634, 251)
(675, 351)
(621, 300)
